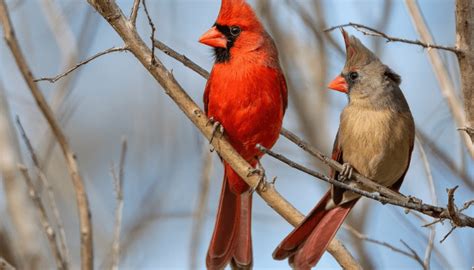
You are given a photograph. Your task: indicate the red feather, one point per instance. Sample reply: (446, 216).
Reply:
(247, 95)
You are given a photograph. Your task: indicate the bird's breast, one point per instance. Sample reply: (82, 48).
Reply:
(248, 104)
(376, 142)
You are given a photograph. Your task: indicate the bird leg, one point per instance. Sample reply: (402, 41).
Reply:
(346, 172)
(216, 128)
(259, 170)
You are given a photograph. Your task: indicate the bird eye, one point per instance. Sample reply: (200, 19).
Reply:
(235, 31)
(353, 75)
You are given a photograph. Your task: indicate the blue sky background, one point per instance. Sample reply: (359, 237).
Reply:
(114, 96)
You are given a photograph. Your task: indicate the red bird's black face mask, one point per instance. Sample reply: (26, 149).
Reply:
(222, 38)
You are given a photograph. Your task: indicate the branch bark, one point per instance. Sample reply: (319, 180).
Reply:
(465, 43)
(115, 17)
(81, 196)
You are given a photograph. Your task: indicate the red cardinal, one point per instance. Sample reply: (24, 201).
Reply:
(375, 137)
(246, 93)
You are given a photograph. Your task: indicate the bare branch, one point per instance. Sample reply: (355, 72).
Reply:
(51, 199)
(81, 196)
(376, 33)
(118, 186)
(465, 42)
(110, 11)
(181, 58)
(58, 77)
(413, 252)
(134, 13)
(43, 217)
(152, 36)
(364, 237)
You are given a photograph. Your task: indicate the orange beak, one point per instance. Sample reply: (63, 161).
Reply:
(214, 38)
(339, 84)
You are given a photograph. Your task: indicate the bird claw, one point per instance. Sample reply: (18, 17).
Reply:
(346, 172)
(216, 128)
(259, 170)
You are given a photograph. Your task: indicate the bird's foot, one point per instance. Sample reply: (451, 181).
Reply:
(217, 128)
(414, 200)
(346, 172)
(260, 171)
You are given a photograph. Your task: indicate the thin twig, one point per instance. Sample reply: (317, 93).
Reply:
(97, 55)
(376, 33)
(415, 255)
(201, 209)
(181, 58)
(43, 217)
(118, 187)
(81, 196)
(134, 13)
(152, 36)
(364, 237)
(51, 197)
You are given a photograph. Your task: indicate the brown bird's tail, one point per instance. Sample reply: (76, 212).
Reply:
(306, 243)
(232, 239)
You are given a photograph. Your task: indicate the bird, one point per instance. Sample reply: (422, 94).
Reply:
(246, 94)
(375, 138)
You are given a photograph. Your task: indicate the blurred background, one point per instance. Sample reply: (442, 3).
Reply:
(171, 181)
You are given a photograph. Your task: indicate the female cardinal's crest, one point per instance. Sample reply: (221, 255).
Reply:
(237, 12)
(357, 54)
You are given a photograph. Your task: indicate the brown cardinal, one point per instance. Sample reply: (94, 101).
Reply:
(246, 93)
(375, 138)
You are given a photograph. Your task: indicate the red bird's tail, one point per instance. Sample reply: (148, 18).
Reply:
(306, 243)
(232, 239)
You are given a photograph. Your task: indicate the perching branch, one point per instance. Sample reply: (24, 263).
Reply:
(81, 196)
(115, 17)
(97, 55)
(369, 31)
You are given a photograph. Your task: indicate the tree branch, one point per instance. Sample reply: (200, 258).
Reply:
(97, 55)
(112, 13)
(465, 42)
(81, 196)
(181, 58)
(376, 33)
(51, 199)
(43, 217)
